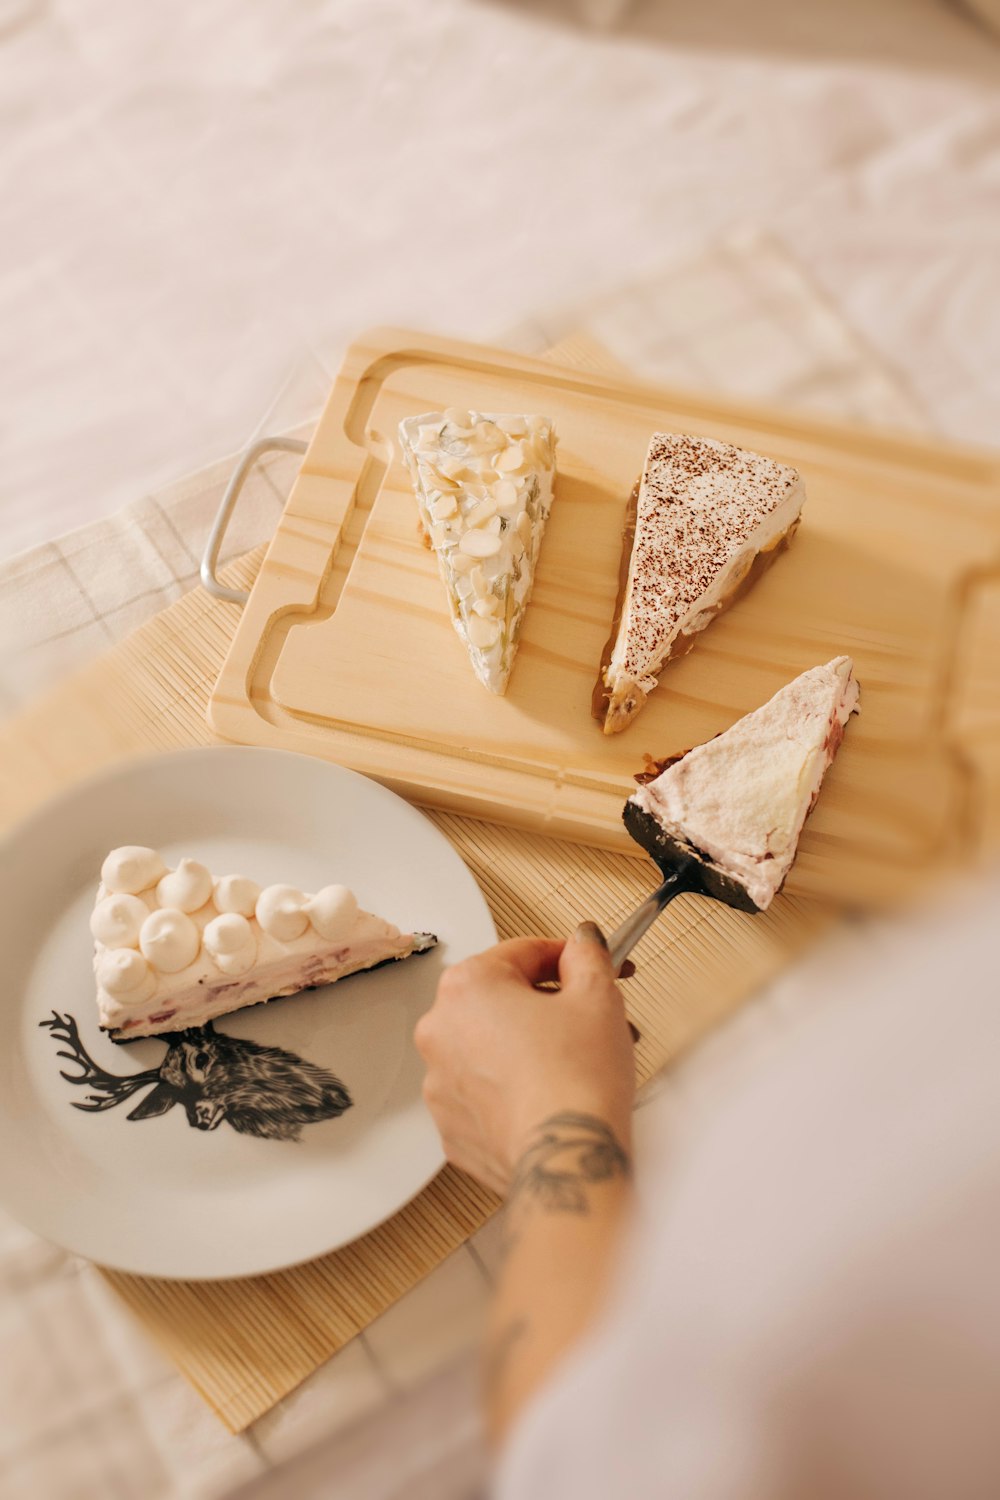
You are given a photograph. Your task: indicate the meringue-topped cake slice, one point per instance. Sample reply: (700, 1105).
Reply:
(703, 523)
(736, 805)
(176, 948)
(483, 483)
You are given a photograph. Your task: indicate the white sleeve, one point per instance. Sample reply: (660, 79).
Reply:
(811, 1306)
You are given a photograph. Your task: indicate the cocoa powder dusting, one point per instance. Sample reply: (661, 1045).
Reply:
(700, 502)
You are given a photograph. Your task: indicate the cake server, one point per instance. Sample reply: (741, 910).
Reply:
(677, 879)
(680, 874)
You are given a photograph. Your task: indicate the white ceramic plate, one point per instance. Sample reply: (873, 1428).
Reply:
(154, 1195)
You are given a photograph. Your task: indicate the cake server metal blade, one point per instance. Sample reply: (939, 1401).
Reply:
(677, 879)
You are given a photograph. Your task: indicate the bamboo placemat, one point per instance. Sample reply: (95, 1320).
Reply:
(246, 1344)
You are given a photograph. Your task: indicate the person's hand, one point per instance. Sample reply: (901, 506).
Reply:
(503, 1056)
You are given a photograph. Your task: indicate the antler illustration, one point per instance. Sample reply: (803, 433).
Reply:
(111, 1088)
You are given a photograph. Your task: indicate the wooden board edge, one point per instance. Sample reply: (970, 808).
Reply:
(390, 344)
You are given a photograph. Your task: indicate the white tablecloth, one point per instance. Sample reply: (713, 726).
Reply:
(195, 197)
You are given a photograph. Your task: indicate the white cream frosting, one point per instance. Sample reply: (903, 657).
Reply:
(333, 911)
(230, 940)
(239, 940)
(281, 911)
(131, 869)
(483, 483)
(125, 975)
(235, 893)
(116, 921)
(742, 798)
(169, 939)
(187, 888)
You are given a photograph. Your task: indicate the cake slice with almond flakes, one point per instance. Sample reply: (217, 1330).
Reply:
(483, 483)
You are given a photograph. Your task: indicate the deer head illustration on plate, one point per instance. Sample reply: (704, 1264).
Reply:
(258, 1090)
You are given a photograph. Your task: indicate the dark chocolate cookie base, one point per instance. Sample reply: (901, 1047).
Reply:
(669, 853)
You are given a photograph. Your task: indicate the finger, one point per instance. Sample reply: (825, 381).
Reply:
(535, 959)
(585, 960)
(422, 1033)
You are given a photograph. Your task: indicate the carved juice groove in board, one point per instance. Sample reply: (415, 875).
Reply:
(258, 1090)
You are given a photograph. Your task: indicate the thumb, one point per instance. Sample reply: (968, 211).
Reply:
(585, 962)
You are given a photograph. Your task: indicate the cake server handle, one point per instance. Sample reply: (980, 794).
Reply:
(621, 943)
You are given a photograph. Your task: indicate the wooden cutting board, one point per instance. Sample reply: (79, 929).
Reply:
(346, 650)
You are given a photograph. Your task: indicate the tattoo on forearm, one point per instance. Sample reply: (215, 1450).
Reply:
(498, 1355)
(569, 1155)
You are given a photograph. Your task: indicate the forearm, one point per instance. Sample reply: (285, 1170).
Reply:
(501, 1057)
(566, 1212)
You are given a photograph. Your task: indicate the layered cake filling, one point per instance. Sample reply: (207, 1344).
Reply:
(738, 803)
(175, 948)
(483, 483)
(705, 521)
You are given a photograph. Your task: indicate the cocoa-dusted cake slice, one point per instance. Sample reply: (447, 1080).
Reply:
(703, 523)
(736, 805)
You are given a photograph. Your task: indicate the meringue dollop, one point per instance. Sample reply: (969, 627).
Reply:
(126, 976)
(116, 921)
(333, 911)
(281, 911)
(131, 869)
(187, 888)
(169, 939)
(231, 942)
(235, 893)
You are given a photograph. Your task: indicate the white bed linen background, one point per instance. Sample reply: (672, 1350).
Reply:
(193, 195)
(874, 294)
